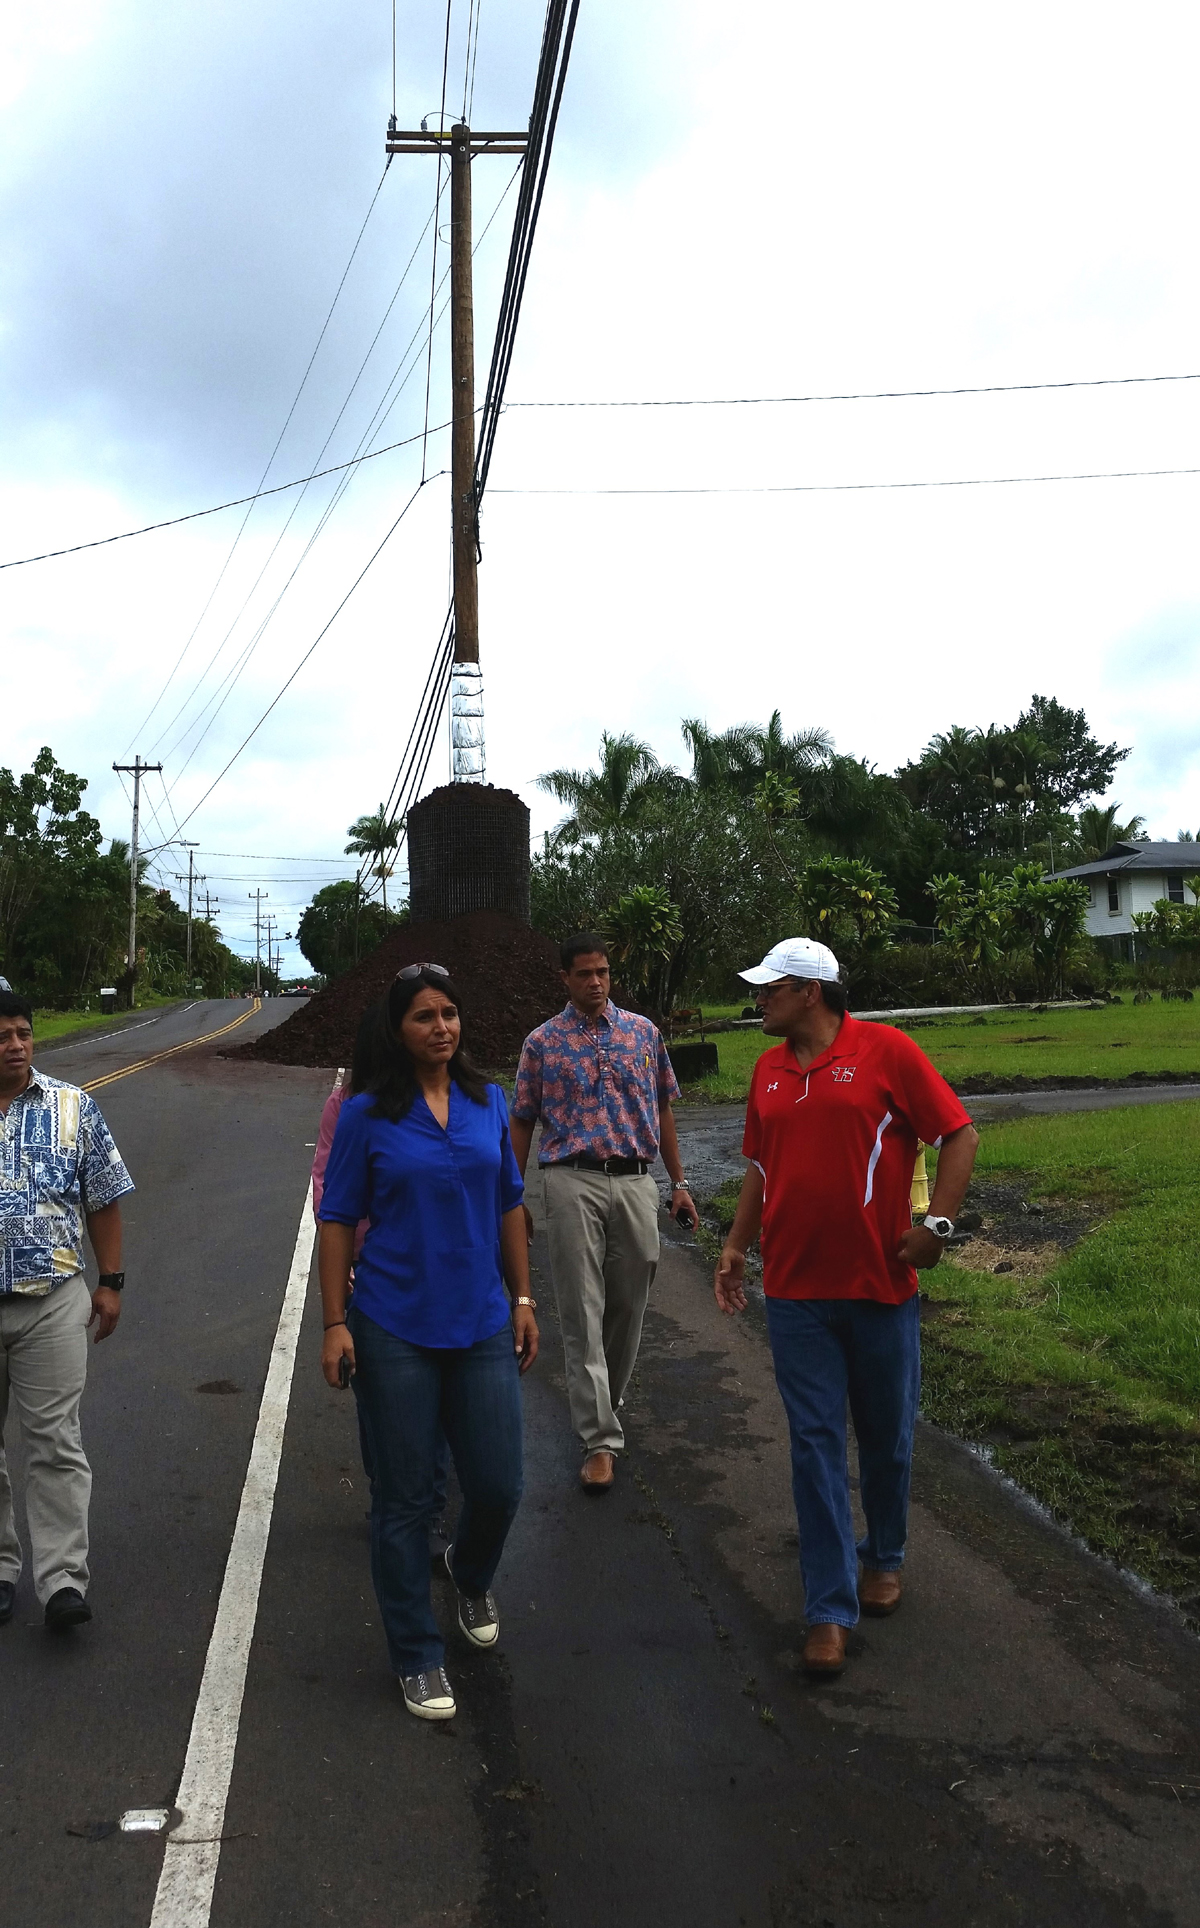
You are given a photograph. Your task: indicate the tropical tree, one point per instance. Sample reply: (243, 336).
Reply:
(644, 930)
(848, 905)
(738, 759)
(374, 836)
(338, 927)
(1098, 830)
(611, 796)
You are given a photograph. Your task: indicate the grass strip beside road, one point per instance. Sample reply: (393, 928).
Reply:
(55, 1025)
(1109, 1043)
(1079, 1368)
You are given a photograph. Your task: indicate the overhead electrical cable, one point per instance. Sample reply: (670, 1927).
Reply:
(557, 37)
(270, 460)
(474, 55)
(728, 401)
(317, 640)
(866, 395)
(834, 488)
(346, 475)
(225, 688)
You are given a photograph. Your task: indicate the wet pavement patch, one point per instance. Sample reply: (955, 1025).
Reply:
(223, 1387)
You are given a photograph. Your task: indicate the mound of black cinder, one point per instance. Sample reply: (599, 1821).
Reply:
(506, 973)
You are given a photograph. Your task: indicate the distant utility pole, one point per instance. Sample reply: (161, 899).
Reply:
(137, 770)
(189, 880)
(466, 691)
(258, 896)
(208, 905)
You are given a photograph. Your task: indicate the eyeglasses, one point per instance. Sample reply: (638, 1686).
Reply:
(414, 970)
(785, 984)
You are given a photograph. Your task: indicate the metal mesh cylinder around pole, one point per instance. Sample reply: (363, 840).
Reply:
(468, 849)
(466, 723)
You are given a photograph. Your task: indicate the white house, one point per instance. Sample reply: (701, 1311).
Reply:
(1132, 877)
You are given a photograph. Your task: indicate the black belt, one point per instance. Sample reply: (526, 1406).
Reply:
(611, 1167)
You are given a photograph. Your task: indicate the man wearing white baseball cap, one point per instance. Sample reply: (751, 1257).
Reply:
(835, 1114)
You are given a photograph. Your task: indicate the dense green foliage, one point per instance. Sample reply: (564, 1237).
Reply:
(339, 927)
(64, 903)
(770, 834)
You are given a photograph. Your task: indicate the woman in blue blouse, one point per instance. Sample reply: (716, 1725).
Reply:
(441, 1323)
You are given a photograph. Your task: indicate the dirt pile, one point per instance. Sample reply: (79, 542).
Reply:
(507, 974)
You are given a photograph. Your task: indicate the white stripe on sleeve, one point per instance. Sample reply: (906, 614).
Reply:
(873, 1160)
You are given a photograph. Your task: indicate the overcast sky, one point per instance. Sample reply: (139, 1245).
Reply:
(779, 200)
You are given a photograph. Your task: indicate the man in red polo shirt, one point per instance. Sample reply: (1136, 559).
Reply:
(835, 1115)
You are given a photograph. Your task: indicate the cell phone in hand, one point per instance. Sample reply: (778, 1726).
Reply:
(345, 1372)
(684, 1219)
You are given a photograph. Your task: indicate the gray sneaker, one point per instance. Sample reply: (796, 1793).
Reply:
(429, 1695)
(477, 1618)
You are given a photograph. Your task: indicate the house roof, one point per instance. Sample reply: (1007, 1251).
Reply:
(1184, 857)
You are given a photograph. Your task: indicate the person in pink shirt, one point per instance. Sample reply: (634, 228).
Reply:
(350, 1082)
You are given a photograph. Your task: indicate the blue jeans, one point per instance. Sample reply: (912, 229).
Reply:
(409, 1394)
(827, 1351)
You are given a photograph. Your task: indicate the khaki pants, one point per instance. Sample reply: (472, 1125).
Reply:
(603, 1238)
(43, 1361)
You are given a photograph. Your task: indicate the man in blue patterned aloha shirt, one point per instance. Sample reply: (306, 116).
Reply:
(58, 1167)
(600, 1081)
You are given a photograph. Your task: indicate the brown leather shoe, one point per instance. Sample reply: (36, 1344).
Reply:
(825, 1649)
(879, 1593)
(598, 1472)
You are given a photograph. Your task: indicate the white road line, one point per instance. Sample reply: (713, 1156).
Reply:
(189, 1871)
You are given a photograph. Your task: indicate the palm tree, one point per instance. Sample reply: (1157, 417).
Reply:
(611, 796)
(374, 836)
(1099, 831)
(739, 758)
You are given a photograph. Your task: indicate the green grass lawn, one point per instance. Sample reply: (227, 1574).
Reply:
(1108, 1043)
(1082, 1373)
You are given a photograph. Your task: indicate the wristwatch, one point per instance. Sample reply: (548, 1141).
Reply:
(112, 1281)
(681, 1185)
(531, 1303)
(940, 1227)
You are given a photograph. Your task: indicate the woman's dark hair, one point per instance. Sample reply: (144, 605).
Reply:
(362, 1061)
(583, 944)
(390, 1073)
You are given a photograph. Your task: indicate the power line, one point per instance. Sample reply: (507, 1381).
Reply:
(251, 734)
(437, 203)
(344, 481)
(834, 488)
(194, 515)
(867, 395)
(270, 460)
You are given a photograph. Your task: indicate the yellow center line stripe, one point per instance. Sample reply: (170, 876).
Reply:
(206, 1037)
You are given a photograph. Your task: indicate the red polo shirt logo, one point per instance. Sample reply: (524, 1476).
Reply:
(836, 1144)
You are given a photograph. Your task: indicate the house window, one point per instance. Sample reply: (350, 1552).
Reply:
(1175, 888)
(1114, 895)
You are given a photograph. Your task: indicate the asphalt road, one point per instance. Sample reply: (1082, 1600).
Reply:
(1017, 1746)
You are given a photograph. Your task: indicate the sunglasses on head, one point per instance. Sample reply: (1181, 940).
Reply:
(414, 970)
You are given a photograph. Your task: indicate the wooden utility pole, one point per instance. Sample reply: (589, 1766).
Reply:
(137, 770)
(258, 896)
(190, 881)
(466, 697)
(462, 375)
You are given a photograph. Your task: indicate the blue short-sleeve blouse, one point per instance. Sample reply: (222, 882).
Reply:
(429, 1270)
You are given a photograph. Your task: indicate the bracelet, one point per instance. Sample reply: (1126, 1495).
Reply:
(335, 1322)
(531, 1303)
(680, 1185)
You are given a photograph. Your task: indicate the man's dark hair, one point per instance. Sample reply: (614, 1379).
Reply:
(833, 997)
(391, 1075)
(582, 945)
(12, 1006)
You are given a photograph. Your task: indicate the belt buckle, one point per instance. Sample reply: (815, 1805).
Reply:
(607, 1172)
